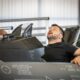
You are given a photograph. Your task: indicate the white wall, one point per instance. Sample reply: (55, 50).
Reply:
(18, 9)
(62, 12)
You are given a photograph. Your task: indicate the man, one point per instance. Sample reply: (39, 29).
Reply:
(57, 50)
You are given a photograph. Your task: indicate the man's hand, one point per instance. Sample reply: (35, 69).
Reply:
(76, 60)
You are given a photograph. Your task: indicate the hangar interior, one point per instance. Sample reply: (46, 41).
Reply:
(16, 12)
(32, 18)
(24, 26)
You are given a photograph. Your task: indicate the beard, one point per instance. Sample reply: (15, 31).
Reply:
(52, 37)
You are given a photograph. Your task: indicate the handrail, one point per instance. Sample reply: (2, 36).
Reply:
(24, 19)
(7, 27)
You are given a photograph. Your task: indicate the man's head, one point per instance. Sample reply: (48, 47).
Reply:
(55, 33)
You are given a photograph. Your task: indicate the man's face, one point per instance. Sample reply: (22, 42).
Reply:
(54, 32)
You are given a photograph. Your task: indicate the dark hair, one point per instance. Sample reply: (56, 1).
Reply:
(58, 27)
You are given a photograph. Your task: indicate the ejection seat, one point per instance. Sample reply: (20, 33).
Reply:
(70, 34)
